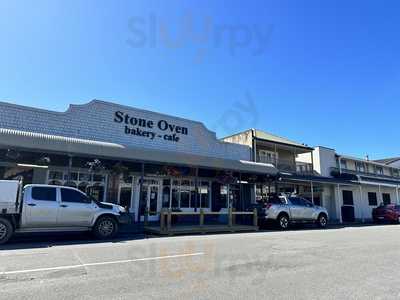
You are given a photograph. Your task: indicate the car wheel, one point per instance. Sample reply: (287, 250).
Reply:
(6, 230)
(322, 221)
(105, 228)
(283, 222)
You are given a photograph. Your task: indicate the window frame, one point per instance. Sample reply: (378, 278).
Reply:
(47, 188)
(347, 202)
(271, 156)
(76, 191)
(360, 167)
(383, 198)
(372, 202)
(343, 164)
(379, 170)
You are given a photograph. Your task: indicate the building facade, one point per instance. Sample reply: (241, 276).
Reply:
(366, 183)
(147, 161)
(140, 159)
(298, 166)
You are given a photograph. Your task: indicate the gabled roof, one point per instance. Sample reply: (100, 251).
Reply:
(388, 161)
(263, 135)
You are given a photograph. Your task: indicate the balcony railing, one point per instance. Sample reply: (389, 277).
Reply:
(286, 165)
(365, 173)
(304, 168)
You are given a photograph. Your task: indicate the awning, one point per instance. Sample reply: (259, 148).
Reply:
(58, 144)
(315, 179)
(378, 181)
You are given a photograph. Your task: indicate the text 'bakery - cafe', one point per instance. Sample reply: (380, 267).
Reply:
(145, 161)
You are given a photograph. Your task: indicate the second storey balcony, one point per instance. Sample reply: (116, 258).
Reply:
(336, 171)
(287, 165)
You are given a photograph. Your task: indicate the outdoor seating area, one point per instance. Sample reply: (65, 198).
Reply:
(172, 222)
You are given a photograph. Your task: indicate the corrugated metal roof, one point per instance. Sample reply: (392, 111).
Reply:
(387, 161)
(277, 139)
(45, 142)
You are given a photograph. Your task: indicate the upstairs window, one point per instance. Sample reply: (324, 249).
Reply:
(343, 164)
(266, 156)
(379, 170)
(360, 167)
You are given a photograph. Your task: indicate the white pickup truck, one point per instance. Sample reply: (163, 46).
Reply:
(48, 208)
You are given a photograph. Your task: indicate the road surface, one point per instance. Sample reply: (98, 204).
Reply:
(343, 263)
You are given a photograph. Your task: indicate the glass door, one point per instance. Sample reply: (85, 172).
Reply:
(150, 200)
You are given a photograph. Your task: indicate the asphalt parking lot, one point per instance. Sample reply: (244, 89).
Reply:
(337, 263)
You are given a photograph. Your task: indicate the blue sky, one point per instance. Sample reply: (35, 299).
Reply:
(319, 72)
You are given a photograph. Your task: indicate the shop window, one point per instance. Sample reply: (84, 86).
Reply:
(193, 200)
(82, 186)
(166, 196)
(223, 198)
(183, 194)
(386, 198)
(55, 182)
(372, 199)
(175, 197)
(84, 177)
(348, 198)
(185, 198)
(55, 175)
(96, 191)
(99, 178)
(204, 194)
(70, 184)
(125, 195)
(234, 195)
(73, 176)
(92, 184)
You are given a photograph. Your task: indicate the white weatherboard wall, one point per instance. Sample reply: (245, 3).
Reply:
(324, 160)
(95, 121)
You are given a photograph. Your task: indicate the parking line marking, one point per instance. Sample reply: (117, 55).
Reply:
(101, 263)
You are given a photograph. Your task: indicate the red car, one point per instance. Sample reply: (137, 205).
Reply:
(388, 213)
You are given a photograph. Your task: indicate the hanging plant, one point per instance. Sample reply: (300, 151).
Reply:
(95, 166)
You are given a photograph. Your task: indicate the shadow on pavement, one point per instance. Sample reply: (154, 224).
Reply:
(48, 240)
